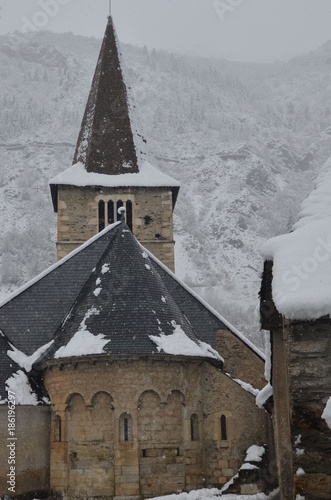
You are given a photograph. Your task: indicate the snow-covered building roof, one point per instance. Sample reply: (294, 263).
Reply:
(301, 271)
(110, 149)
(148, 176)
(125, 307)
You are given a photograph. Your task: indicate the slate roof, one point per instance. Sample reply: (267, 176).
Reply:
(7, 366)
(31, 315)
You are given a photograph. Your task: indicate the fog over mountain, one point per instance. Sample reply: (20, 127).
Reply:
(245, 140)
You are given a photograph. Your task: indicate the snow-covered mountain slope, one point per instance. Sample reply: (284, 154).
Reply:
(244, 140)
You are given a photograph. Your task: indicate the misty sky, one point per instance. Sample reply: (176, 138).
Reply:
(244, 30)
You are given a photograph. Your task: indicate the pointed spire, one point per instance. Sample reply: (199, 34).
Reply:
(106, 142)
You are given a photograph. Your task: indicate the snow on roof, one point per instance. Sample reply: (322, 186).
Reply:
(207, 306)
(263, 395)
(83, 342)
(301, 284)
(18, 384)
(25, 361)
(180, 344)
(148, 176)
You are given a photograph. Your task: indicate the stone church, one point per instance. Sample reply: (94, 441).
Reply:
(126, 384)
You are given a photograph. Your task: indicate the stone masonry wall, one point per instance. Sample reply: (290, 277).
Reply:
(240, 361)
(246, 424)
(31, 449)
(152, 217)
(309, 367)
(157, 396)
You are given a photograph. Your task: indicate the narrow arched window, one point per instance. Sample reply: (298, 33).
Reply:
(224, 436)
(119, 204)
(57, 429)
(101, 213)
(194, 427)
(126, 427)
(111, 218)
(129, 214)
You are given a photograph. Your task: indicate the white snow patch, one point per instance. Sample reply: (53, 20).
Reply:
(25, 361)
(148, 267)
(248, 387)
(144, 254)
(215, 494)
(105, 268)
(18, 384)
(301, 284)
(300, 497)
(148, 176)
(327, 413)
(98, 282)
(83, 342)
(300, 472)
(163, 299)
(298, 439)
(263, 395)
(179, 343)
(254, 453)
(299, 452)
(97, 292)
(248, 467)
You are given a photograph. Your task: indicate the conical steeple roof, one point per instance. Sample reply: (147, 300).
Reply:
(110, 149)
(106, 143)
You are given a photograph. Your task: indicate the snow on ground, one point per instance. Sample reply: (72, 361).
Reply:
(214, 494)
(302, 259)
(179, 343)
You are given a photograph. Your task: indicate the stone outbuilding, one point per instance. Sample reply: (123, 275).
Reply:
(296, 309)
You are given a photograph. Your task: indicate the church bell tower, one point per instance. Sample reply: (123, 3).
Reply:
(110, 169)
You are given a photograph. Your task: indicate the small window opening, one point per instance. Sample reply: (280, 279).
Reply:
(111, 218)
(194, 427)
(125, 427)
(224, 436)
(101, 210)
(58, 429)
(129, 214)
